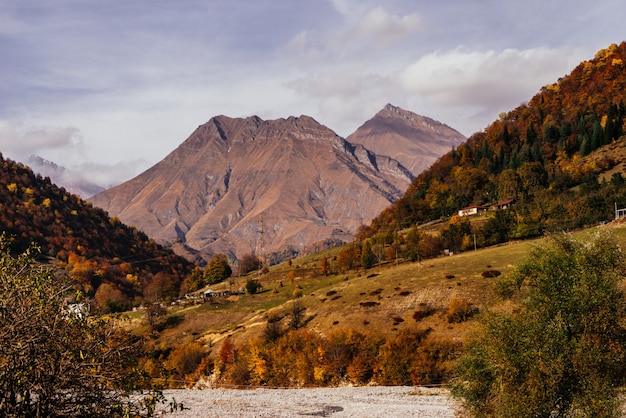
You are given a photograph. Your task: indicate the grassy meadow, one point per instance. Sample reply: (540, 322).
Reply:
(382, 300)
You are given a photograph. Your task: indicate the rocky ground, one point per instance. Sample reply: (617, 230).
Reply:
(377, 401)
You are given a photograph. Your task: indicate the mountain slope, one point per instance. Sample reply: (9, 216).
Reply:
(302, 181)
(415, 141)
(93, 248)
(536, 154)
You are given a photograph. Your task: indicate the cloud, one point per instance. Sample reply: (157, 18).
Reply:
(107, 175)
(19, 142)
(362, 30)
(486, 78)
(385, 29)
(345, 97)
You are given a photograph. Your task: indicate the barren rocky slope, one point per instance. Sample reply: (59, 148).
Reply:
(415, 141)
(305, 184)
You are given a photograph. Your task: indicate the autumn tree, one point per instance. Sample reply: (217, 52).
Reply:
(58, 362)
(348, 258)
(218, 270)
(109, 298)
(324, 266)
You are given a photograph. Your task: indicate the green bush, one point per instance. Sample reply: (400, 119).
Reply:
(562, 353)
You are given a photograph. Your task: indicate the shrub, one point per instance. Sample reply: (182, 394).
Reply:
(253, 286)
(248, 263)
(422, 313)
(562, 353)
(397, 320)
(185, 359)
(460, 310)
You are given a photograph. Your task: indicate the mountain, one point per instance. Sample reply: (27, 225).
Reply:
(558, 156)
(116, 264)
(415, 141)
(239, 186)
(61, 176)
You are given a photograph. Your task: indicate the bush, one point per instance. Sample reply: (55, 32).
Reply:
(248, 263)
(460, 310)
(253, 286)
(562, 353)
(423, 312)
(185, 359)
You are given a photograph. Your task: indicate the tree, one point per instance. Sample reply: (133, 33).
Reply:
(253, 286)
(348, 258)
(57, 361)
(296, 311)
(218, 270)
(562, 353)
(368, 259)
(325, 266)
(509, 184)
(248, 263)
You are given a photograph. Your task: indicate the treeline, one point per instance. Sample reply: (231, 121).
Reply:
(117, 265)
(303, 358)
(534, 154)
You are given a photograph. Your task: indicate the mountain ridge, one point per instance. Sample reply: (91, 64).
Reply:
(393, 132)
(306, 182)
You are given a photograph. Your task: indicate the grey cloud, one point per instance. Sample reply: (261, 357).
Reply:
(486, 78)
(19, 142)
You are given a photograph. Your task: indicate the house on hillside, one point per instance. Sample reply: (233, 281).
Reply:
(471, 210)
(216, 294)
(505, 204)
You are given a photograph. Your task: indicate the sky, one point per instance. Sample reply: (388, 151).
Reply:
(109, 88)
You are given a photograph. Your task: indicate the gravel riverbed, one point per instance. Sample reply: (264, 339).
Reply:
(370, 401)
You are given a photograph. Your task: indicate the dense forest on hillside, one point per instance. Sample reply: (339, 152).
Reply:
(537, 154)
(116, 264)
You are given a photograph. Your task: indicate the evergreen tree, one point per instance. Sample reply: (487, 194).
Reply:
(368, 258)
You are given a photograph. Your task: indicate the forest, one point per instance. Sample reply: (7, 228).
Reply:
(116, 265)
(538, 154)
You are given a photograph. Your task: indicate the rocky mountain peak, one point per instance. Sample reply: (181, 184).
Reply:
(306, 183)
(415, 141)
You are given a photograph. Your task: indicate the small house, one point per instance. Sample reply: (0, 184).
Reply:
(505, 204)
(471, 210)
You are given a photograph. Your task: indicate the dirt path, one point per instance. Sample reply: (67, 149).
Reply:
(378, 401)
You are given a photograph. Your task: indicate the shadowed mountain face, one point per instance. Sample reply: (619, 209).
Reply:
(302, 181)
(415, 141)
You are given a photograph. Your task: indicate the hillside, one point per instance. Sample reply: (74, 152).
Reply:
(536, 155)
(415, 141)
(116, 264)
(353, 324)
(305, 184)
